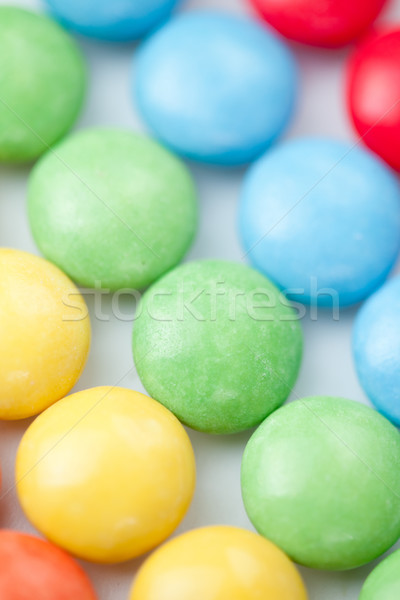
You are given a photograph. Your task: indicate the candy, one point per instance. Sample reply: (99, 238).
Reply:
(42, 82)
(376, 348)
(117, 20)
(321, 479)
(384, 581)
(217, 563)
(217, 344)
(34, 569)
(321, 219)
(215, 87)
(106, 473)
(373, 93)
(331, 23)
(44, 334)
(112, 208)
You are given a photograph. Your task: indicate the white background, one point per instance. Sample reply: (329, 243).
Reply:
(327, 366)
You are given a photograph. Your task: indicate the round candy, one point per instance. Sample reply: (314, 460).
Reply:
(376, 348)
(44, 334)
(42, 82)
(373, 94)
(215, 87)
(384, 581)
(321, 479)
(106, 473)
(118, 20)
(322, 219)
(34, 569)
(217, 344)
(112, 208)
(217, 563)
(329, 24)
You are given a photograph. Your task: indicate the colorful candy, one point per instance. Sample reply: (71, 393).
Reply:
(215, 87)
(32, 569)
(329, 23)
(217, 563)
(42, 82)
(384, 581)
(321, 479)
(106, 473)
(322, 219)
(217, 344)
(112, 208)
(376, 347)
(118, 20)
(44, 334)
(374, 92)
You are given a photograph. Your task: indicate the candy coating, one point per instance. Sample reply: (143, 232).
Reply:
(321, 479)
(115, 21)
(384, 581)
(217, 344)
(112, 208)
(373, 91)
(44, 334)
(329, 24)
(215, 87)
(106, 473)
(216, 563)
(321, 218)
(33, 568)
(42, 82)
(376, 348)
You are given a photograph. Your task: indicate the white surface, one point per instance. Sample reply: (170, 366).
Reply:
(327, 366)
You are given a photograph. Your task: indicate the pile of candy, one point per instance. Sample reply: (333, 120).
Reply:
(107, 474)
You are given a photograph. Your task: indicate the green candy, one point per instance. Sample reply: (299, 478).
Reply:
(384, 581)
(42, 83)
(321, 479)
(218, 345)
(112, 209)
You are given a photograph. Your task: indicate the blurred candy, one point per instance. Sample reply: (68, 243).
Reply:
(374, 94)
(44, 334)
(112, 208)
(217, 344)
(106, 473)
(42, 83)
(32, 569)
(376, 346)
(114, 20)
(326, 23)
(384, 581)
(321, 218)
(321, 479)
(218, 563)
(215, 87)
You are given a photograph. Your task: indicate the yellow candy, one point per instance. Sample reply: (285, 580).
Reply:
(218, 563)
(44, 334)
(107, 473)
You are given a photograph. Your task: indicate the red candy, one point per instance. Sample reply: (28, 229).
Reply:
(374, 94)
(32, 569)
(326, 23)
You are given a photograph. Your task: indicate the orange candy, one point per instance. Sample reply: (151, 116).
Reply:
(32, 569)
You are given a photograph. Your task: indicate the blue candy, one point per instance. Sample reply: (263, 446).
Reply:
(322, 220)
(215, 87)
(376, 349)
(114, 20)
